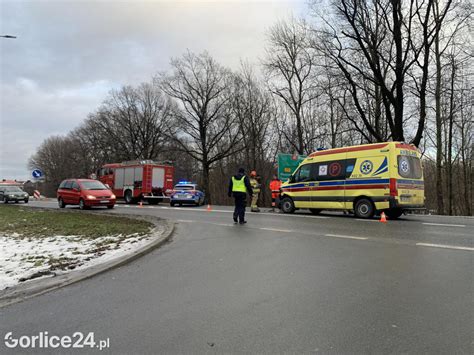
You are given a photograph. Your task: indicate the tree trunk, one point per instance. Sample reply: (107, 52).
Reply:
(450, 139)
(206, 182)
(439, 131)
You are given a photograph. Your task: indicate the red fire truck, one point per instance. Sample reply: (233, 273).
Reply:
(138, 180)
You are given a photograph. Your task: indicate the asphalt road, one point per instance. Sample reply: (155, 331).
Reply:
(280, 284)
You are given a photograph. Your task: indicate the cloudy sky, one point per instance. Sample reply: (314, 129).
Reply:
(69, 54)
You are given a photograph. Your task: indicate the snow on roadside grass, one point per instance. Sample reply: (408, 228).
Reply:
(23, 258)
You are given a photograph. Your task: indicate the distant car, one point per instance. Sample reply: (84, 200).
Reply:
(86, 193)
(13, 193)
(185, 193)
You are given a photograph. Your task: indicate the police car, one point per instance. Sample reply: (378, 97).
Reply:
(187, 193)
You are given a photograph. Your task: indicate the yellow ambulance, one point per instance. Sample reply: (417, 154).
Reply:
(365, 179)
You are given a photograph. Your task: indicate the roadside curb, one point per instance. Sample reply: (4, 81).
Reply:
(159, 235)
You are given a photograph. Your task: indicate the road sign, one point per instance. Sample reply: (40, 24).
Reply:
(37, 174)
(37, 195)
(287, 164)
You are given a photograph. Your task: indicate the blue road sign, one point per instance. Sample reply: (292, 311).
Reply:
(37, 174)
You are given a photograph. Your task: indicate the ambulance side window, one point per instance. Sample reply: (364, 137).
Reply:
(350, 164)
(331, 170)
(304, 174)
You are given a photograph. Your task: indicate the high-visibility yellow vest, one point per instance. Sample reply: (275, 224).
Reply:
(238, 185)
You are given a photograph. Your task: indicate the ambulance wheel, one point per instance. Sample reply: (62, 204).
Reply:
(287, 205)
(128, 197)
(315, 210)
(364, 208)
(394, 213)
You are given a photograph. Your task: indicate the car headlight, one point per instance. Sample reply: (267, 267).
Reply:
(11, 195)
(112, 196)
(26, 195)
(90, 197)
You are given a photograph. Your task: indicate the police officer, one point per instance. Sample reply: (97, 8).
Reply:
(239, 186)
(256, 190)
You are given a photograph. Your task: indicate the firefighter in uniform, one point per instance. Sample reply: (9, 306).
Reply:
(275, 185)
(256, 191)
(239, 186)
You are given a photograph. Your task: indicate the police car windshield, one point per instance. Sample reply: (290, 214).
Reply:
(184, 187)
(93, 185)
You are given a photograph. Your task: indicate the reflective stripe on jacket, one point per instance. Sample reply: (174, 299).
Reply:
(275, 187)
(238, 185)
(255, 185)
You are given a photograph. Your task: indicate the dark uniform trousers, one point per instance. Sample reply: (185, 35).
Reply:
(240, 203)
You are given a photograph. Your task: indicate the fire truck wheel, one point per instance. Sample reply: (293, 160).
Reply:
(172, 204)
(128, 197)
(153, 201)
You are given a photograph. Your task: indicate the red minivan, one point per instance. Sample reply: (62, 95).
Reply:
(85, 193)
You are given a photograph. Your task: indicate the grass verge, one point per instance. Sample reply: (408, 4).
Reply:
(39, 242)
(38, 223)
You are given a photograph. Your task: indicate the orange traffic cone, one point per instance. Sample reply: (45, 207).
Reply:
(383, 219)
(140, 204)
(209, 209)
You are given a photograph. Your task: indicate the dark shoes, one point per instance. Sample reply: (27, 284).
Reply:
(242, 222)
(235, 220)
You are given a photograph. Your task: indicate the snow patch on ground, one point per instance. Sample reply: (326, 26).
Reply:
(23, 257)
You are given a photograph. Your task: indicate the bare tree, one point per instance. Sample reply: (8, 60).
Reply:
(253, 107)
(132, 121)
(57, 157)
(207, 129)
(289, 65)
(377, 42)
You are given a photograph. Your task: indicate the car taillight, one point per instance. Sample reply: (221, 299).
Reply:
(393, 187)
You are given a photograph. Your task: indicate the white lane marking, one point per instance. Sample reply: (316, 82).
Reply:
(366, 220)
(228, 211)
(276, 230)
(445, 225)
(444, 246)
(185, 220)
(345, 236)
(224, 224)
